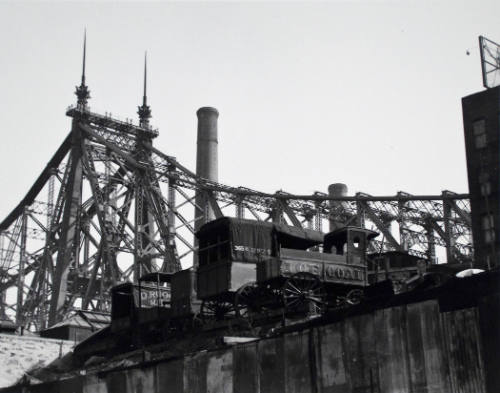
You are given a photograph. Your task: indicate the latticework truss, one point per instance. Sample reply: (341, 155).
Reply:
(109, 207)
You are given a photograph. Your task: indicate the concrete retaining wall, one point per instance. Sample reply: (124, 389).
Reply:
(412, 348)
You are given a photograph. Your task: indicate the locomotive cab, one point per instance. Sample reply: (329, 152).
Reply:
(351, 242)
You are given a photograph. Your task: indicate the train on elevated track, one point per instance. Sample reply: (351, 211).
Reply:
(251, 274)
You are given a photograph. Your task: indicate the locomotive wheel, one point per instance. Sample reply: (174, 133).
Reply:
(354, 296)
(304, 291)
(216, 310)
(270, 298)
(245, 300)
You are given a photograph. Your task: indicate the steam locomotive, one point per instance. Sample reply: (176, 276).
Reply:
(254, 268)
(249, 269)
(249, 272)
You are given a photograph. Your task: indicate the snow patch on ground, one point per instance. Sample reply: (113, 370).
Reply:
(19, 354)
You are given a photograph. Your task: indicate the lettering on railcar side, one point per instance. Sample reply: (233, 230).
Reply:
(333, 273)
(261, 251)
(285, 267)
(298, 267)
(316, 269)
(149, 297)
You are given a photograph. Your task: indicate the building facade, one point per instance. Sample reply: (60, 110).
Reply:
(481, 116)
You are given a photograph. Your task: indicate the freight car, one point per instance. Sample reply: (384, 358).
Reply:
(140, 311)
(158, 306)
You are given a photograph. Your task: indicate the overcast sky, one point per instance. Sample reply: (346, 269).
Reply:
(365, 93)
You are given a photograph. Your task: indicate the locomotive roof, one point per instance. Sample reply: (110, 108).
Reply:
(122, 286)
(395, 253)
(156, 277)
(341, 233)
(287, 235)
(224, 222)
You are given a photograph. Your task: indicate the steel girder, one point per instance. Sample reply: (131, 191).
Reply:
(120, 199)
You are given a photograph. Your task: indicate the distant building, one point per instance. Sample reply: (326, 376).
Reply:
(481, 116)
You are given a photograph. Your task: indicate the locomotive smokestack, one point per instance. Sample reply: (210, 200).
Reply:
(206, 164)
(336, 190)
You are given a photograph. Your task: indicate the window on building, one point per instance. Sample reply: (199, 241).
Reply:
(486, 188)
(484, 184)
(479, 127)
(488, 228)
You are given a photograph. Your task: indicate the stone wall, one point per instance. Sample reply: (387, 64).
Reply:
(19, 354)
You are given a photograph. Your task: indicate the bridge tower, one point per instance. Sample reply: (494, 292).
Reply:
(117, 180)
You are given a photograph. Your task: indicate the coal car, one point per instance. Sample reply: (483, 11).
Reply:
(401, 268)
(140, 309)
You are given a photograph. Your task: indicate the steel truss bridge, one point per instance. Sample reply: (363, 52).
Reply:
(109, 207)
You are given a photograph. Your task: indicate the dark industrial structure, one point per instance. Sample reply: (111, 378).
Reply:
(270, 304)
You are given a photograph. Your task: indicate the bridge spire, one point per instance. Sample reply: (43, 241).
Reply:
(82, 92)
(144, 111)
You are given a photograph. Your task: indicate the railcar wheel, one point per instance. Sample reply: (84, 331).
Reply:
(304, 292)
(216, 310)
(354, 296)
(245, 300)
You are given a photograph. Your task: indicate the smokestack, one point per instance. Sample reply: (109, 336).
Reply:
(206, 154)
(206, 164)
(336, 190)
